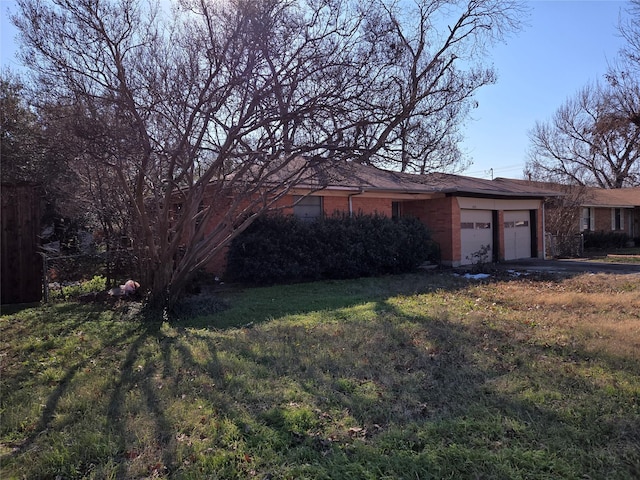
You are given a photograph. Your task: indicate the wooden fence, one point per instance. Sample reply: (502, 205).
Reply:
(21, 263)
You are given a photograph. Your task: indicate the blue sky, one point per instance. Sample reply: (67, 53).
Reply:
(566, 45)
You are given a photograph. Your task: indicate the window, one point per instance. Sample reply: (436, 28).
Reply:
(308, 208)
(617, 219)
(395, 210)
(586, 222)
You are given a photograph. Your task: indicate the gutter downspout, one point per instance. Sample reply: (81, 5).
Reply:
(351, 201)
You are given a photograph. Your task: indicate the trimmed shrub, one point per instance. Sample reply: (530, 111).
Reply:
(276, 249)
(273, 249)
(604, 240)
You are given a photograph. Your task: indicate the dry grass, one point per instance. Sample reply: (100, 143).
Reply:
(601, 312)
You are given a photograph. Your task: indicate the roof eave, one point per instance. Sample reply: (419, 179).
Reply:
(486, 193)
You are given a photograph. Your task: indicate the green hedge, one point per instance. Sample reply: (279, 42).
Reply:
(276, 249)
(603, 240)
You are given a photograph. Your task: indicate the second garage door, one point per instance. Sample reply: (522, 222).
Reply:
(517, 234)
(476, 236)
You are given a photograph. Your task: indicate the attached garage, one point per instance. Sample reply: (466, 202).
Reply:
(509, 227)
(517, 234)
(476, 236)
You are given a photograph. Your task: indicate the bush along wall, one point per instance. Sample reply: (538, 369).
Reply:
(278, 249)
(603, 240)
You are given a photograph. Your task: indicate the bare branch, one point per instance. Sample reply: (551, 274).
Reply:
(205, 105)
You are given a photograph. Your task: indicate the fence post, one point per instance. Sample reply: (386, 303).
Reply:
(45, 278)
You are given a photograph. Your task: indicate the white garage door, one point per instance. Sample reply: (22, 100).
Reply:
(476, 236)
(517, 234)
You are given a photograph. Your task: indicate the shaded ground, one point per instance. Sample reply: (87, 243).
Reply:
(569, 267)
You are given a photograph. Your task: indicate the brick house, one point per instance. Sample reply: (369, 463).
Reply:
(468, 217)
(605, 210)
(593, 209)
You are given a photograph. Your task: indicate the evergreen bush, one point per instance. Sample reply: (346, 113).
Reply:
(277, 249)
(604, 240)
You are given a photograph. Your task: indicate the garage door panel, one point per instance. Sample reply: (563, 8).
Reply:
(517, 234)
(476, 235)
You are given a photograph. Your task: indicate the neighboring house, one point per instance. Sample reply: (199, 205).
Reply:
(471, 219)
(591, 209)
(611, 210)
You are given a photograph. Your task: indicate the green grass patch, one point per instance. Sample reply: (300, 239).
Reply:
(617, 255)
(621, 258)
(399, 377)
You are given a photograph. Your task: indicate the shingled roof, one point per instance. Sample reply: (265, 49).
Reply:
(619, 197)
(628, 197)
(366, 178)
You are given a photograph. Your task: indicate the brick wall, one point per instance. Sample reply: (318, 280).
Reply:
(340, 204)
(602, 219)
(440, 216)
(331, 205)
(499, 231)
(370, 206)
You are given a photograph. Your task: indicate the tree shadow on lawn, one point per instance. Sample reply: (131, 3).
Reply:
(369, 389)
(443, 393)
(272, 302)
(360, 395)
(49, 449)
(229, 310)
(50, 411)
(138, 379)
(53, 336)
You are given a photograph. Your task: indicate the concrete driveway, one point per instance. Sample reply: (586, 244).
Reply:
(570, 266)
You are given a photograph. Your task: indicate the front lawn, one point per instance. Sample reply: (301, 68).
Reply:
(404, 377)
(626, 258)
(617, 255)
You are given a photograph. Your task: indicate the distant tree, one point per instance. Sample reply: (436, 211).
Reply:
(28, 153)
(624, 74)
(563, 212)
(594, 138)
(587, 142)
(21, 139)
(39, 146)
(198, 117)
(629, 28)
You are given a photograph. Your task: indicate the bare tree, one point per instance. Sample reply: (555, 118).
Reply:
(563, 216)
(594, 138)
(425, 71)
(624, 74)
(629, 28)
(200, 115)
(587, 142)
